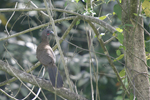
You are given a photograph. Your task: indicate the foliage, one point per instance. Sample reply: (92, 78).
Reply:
(20, 50)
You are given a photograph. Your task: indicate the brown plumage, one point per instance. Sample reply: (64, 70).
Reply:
(46, 56)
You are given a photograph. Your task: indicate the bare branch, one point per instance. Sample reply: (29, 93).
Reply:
(63, 92)
(37, 27)
(83, 17)
(108, 57)
(38, 63)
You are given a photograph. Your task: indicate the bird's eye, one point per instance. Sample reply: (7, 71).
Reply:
(47, 32)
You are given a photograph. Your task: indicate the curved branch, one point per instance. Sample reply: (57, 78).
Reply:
(54, 48)
(83, 17)
(44, 84)
(108, 56)
(37, 27)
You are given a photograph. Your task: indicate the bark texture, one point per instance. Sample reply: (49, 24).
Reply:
(135, 57)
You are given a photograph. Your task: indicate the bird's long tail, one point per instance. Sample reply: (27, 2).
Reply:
(52, 70)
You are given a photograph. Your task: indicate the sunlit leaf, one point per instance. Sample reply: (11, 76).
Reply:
(4, 20)
(135, 14)
(118, 52)
(148, 57)
(77, 1)
(146, 7)
(114, 13)
(122, 73)
(118, 58)
(78, 22)
(114, 34)
(102, 17)
(119, 30)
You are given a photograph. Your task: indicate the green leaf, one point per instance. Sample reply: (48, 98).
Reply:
(122, 47)
(119, 1)
(102, 17)
(122, 73)
(132, 97)
(147, 57)
(77, 1)
(65, 4)
(142, 1)
(107, 1)
(135, 14)
(129, 25)
(147, 46)
(114, 34)
(119, 30)
(120, 37)
(114, 13)
(78, 22)
(118, 52)
(146, 7)
(118, 58)
(118, 10)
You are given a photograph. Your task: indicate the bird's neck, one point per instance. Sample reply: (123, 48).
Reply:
(45, 40)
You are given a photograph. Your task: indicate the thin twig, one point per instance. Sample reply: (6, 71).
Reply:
(37, 27)
(37, 7)
(19, 78)
(10, 19)
(44, 84)
(57, 42)
(38, 63)
(83, 17)
(88, 18)
(15, 74)
(109, 40)
(108, 57)
(8, 94)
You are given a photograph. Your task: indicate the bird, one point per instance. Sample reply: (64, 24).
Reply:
(46, 56)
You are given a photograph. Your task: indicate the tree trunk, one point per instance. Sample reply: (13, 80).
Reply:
(135, 57)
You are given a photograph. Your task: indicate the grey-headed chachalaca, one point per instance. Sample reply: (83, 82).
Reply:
(46, 56)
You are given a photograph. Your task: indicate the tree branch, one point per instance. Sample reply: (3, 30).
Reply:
(37, 27)
(108, 57)
(54, 48)
(44, 84)
(83, 17)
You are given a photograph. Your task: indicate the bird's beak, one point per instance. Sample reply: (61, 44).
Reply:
(51, 32)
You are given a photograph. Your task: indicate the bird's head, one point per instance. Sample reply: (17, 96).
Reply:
(46, 33)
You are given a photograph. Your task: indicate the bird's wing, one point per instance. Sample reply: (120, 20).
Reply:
(45, 55)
